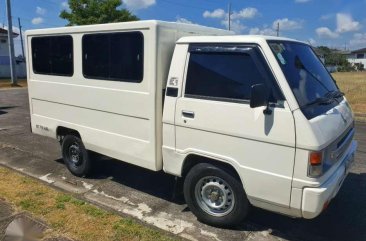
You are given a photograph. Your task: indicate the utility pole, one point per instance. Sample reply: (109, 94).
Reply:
(21, 37)
(11, 45)
(278, 29)
(229, 16)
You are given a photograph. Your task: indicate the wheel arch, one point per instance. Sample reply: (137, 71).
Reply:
(193, 159)
(62, 131)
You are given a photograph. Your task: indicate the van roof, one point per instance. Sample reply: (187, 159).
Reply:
(233, 39)
(133, 25)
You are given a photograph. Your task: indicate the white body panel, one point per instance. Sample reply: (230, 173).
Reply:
(118, 119)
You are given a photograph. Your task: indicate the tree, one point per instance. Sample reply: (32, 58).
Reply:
(83, 12)
(334, 57)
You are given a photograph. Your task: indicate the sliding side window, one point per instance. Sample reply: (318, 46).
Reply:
(53, 55)
(113, 56)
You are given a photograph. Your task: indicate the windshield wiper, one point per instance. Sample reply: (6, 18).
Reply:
(319, 101)
(335, 94)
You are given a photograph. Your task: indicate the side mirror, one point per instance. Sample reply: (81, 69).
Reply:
(260, 97)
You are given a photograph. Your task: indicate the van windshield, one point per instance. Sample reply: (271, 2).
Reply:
(308, 78)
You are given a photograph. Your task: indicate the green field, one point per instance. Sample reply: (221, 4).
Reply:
(353, 84)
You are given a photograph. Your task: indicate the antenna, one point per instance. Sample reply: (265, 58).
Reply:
(229, 16)
(278, 29)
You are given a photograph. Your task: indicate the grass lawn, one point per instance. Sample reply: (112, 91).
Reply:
(6, 83)
(353, 84)
(68, 216)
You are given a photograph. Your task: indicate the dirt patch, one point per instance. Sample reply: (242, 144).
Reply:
(6, 83)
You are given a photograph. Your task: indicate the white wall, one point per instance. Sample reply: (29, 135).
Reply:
(353, 61)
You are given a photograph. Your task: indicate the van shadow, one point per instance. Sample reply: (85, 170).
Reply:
(2, 112)
(158, 184)
(345, 218)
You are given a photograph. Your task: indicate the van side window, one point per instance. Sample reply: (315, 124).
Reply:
(224, 76)
(113, 56)
(53, 55)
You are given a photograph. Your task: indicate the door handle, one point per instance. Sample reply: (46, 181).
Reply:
(188, 114)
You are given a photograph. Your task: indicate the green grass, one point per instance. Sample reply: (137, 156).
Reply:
(68, 216)
(353, 84)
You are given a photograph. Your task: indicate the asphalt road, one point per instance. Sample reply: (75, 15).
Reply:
(147, 196)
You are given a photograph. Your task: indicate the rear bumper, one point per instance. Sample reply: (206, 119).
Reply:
(315, 200)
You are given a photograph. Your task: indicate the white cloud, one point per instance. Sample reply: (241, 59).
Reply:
(358, 40)
(345, 23)
(217, 13)
(65, 5)
(263, 31)
(41, 11)
(139, 4)
(302, 1)
(324, 32)
(235, 25)
(245, 13)
(312, 41)
(183, 20)
(37, 20)
(287, 24)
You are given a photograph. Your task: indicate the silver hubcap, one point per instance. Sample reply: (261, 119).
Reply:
(74, 153)
(214, 196)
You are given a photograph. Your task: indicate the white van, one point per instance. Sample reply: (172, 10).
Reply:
(244, 120)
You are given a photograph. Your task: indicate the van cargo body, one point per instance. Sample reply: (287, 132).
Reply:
(242, 120)
(119, 119)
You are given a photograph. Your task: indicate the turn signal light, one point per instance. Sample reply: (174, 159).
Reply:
(315, 164)
(316, 158)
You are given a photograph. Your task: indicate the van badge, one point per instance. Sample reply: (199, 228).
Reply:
(173, 81)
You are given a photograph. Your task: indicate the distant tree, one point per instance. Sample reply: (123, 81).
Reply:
(83, 12)
(333, 57)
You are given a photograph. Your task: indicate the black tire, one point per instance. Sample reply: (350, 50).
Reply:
(75, 156)
(236, 210)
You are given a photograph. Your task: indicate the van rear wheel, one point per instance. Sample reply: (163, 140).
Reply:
(215, 196)
(75, 156)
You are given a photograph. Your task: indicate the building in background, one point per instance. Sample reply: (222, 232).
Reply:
(5, 57)
(358, 58)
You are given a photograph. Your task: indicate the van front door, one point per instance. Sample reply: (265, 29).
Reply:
(213, 118)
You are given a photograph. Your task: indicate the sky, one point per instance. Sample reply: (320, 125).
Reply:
(334, 23)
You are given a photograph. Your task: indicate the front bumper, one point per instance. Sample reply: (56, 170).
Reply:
(315, 200)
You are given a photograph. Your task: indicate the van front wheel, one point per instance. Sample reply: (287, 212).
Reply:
(75, 156)
(215, 196)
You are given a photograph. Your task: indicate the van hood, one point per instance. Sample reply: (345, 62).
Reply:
(319, 132)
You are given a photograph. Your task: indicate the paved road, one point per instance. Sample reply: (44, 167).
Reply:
(146, 195)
